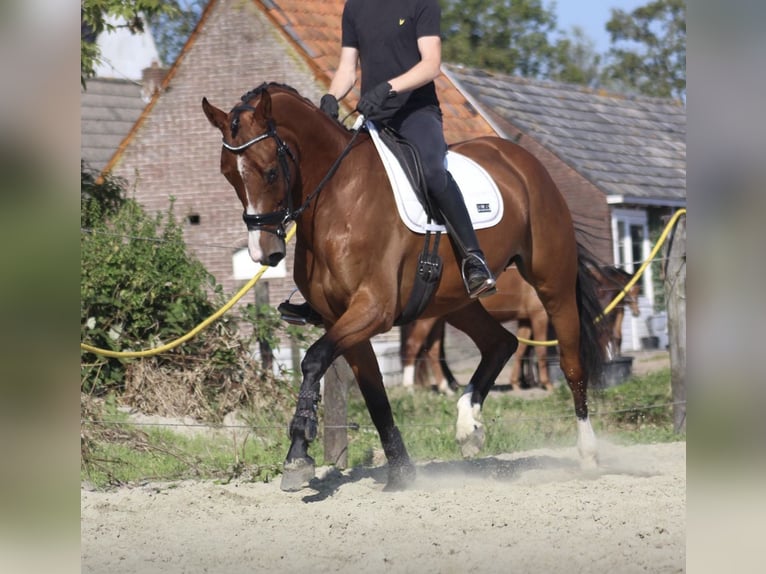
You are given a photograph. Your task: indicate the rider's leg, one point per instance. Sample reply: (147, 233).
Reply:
(423, 128)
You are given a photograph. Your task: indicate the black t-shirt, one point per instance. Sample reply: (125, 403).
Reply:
(386, 34)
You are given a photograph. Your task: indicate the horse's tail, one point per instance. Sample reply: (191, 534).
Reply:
(592, 325)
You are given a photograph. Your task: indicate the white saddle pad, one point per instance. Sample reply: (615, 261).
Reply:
(481, 195)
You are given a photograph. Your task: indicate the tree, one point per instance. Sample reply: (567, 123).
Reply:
(97, 16)
(575, 60)
(509, 36)
(172, 30)
(649, 49)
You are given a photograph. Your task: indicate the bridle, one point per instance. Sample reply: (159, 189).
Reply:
(281, 217)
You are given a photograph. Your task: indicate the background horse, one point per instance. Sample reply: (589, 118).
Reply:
(280, 151)
(515, 300)
(422, 345)
(611, 282)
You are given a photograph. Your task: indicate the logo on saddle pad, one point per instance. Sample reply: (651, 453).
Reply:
(480, 193)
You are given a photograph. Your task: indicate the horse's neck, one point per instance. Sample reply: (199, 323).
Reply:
(310, 127)
(318, 145)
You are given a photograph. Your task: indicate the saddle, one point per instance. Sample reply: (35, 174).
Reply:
(409, 161)
(402, 165)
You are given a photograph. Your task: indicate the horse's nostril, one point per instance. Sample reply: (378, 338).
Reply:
(274, 258)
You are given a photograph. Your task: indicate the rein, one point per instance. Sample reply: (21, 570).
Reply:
(331, 172)
(283, 216)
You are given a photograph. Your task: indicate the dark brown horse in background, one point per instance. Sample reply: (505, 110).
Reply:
(515, 300)
(613, 282)
(355, 261)
(422, 348)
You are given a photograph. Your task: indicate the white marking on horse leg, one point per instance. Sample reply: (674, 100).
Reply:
(586, 444)
(443, 387)
(465, 422)
(470, 431)
(408, 376)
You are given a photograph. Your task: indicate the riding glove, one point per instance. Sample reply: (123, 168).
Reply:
(372, 102)
(329, 105)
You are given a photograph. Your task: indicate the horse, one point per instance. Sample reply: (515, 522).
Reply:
(611, 282)
(289, 161)
(515, 300)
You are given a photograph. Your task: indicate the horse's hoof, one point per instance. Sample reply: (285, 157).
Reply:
(472, 444)
(399, 477)
(297, 473)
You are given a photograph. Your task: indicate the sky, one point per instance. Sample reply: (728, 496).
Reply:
(592, 16)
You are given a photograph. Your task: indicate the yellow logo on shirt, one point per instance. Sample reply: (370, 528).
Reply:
(401, 21)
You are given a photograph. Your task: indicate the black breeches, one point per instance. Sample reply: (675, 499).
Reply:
(423, 129)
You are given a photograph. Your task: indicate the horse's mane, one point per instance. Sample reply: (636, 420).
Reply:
(257, 91)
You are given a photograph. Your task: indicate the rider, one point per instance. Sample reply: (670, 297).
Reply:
(398, 45)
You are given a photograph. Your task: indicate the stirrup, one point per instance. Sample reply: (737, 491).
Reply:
(487, 287)
(299, 314)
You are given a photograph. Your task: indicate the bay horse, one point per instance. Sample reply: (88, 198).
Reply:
(355, 261)
(515, 300)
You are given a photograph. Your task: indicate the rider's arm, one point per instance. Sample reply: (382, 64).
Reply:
(427, 70)
(345, 76)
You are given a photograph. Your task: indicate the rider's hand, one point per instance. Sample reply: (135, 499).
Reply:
(371, 103)
(329, 105)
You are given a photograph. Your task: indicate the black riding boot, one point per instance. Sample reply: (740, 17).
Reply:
(479, 280)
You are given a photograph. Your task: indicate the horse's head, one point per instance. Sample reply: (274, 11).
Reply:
(262, 169)
(615, 281)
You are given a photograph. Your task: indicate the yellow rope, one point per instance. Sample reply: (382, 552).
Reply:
(193, 332)
(291, 233)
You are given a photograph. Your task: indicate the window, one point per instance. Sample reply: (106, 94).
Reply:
(630, 229)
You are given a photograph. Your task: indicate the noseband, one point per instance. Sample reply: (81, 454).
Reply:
(281, 217)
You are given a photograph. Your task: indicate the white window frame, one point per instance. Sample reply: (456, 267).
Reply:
(623, 246)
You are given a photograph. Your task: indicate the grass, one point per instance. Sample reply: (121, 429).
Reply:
(637, 411)
(117, 452)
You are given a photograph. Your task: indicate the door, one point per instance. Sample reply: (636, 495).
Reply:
(630, 229)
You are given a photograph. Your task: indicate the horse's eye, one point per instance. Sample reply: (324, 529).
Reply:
(271, 175)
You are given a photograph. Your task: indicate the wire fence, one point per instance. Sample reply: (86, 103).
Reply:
(506, 420)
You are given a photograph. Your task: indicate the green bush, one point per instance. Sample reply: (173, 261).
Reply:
(139, 288)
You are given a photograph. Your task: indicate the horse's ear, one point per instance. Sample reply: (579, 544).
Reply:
(264, 106)
(215, 116)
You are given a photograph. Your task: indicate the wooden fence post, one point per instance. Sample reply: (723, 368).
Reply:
(262, 298)
(675, 290)
(336, 383)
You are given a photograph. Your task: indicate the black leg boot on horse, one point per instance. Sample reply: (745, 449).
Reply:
(479, 280)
